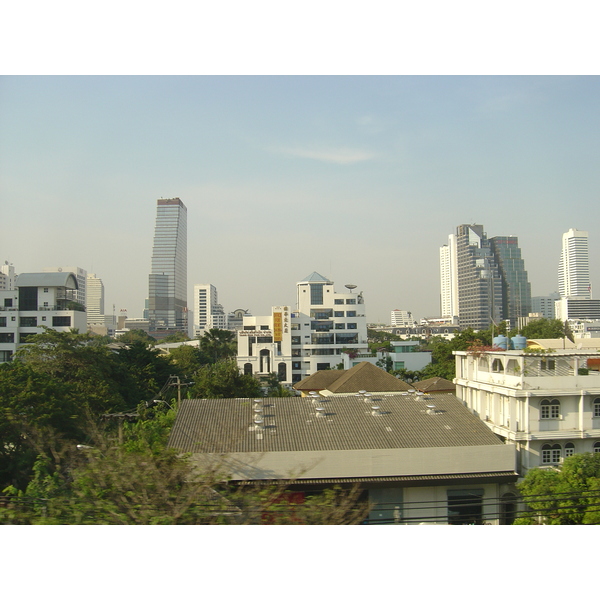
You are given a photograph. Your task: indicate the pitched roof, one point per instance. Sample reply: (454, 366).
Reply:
(434, 384)
(366, 376)
(226, 425)
(314, 277)
(320, 380)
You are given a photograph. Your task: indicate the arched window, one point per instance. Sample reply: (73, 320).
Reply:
(569, 449)
(282, 371)
(248, 369)
(549, 409)
(596, 447)
(265, 361)
(551, 454)
(597, 407)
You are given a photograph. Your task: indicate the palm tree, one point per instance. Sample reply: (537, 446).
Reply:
(218, 344)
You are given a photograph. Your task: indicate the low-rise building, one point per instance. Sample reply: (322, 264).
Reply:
(416, 460)
(546, 403)
(39, 300)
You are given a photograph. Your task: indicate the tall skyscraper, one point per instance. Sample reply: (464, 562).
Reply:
(516, 289)
(483, 280)
(479, 282)
(574, 266)
(449, 279)
(167, 298)
(95, 300)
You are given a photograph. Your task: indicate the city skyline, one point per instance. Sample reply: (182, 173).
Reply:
(361, 179)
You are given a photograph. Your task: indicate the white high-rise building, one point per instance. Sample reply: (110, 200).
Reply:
(95, 300)
(208, 313)
(574, 266)
(449, 279)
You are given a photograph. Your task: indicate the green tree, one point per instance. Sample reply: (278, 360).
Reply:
(569, 495)
(224, 380)
(136, 335)
(544, 329)
(218, 344)
(178, 336)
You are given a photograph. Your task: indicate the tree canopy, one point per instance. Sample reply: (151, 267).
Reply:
(569, 495)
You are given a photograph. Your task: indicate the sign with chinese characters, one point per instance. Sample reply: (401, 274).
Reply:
(281, 322)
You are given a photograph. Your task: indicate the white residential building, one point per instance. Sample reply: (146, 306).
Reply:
(547, 405)
(574, 266)
(38, 300)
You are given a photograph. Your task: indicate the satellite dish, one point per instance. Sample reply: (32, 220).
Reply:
(350, 286)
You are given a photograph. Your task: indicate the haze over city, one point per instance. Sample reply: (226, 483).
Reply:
(360, 178)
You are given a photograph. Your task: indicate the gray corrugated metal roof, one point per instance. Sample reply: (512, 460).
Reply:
(291, 425)
(51, 279)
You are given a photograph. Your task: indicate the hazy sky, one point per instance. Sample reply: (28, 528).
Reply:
(360, 178)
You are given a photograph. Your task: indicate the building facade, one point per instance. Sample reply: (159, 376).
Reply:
(574, 266)
(546, 404)
(544, 305)
(95, 300)
(208, 313)
(167, 299)
(38, 300)
(516, 289)
(402, 318)
(483, 280)
(80, 294)
(264, 345)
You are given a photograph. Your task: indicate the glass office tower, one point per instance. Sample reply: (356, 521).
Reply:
(167, 299)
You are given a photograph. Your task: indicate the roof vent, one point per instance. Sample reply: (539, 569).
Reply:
(431, 409)
(367, 397)
(376, 411)
(320, 412)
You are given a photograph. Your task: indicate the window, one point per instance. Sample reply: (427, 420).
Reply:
(249, 327)
(5, 356)
(7, 338)
(497, 366)
(321, 313)
(43, 318)
(338, 313)
(550, 409)
(547, 364)
(465, 507)
(316, 294)
(351, 301)
(61, 321)
(295, 326)
(45, 290)
(2, 321)
(351, 313)
(346, 338)
(267, 339)
(296, 364)
(596, 447)
(263, 327)
(28, 322)
(295, 339)
(338, 301)
(7, 302)
(551, 454)
(351, 325)
(569, 449)
(24, 337)
(340, 326)
(597, 407)
(321, 326)
(323, 366)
